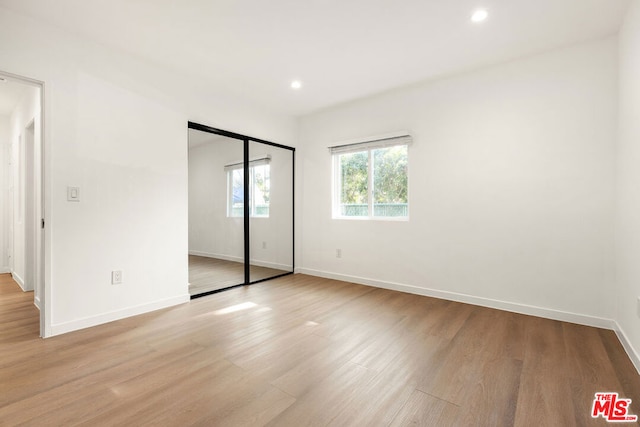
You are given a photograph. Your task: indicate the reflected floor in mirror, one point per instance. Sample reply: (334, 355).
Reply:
(211, 274)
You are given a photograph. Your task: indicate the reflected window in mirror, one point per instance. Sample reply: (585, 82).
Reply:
(259, 188)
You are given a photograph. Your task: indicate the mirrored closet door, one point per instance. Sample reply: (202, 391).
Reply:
(240, 210)
(271, 211)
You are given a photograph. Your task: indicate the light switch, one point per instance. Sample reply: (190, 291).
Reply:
(73, 194)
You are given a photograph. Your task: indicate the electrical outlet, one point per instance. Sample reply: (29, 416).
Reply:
(116, 277)
(338, 253)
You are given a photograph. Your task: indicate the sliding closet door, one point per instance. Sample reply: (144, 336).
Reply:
(216, 212)
(240, 210)
(270, 211)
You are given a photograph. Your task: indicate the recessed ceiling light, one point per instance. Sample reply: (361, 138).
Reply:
(479, 15)
(296, 84)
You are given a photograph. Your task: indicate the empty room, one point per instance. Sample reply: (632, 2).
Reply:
(358, 213)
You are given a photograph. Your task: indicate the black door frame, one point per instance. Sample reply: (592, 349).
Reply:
(247, 220)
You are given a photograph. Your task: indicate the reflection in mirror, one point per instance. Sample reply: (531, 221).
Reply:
(271, 211)
(216, 222)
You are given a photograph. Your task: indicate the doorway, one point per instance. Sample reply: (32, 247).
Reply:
(241, 210)
(22, 189)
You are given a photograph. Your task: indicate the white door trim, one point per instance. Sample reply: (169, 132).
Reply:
(41, 265)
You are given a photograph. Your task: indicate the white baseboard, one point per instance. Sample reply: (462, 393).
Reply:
(87, 322)
(18, 280)
(530, 310)
(36, 302)
(5, 270)
(259, 263)
(268, 264)
(631, 352)
(219, 256)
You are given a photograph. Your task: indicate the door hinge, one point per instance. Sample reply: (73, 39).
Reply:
(42, 222)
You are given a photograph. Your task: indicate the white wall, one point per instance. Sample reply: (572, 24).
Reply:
(511, 187)
(211, 232)
(4, 193)
(628, 179)
(116, 127)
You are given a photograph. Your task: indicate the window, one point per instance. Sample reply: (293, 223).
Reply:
(259, 186)
(371, 179)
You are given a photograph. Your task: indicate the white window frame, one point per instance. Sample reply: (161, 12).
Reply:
(229, 169)
(369, 145)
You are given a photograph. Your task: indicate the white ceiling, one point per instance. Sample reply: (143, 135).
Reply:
(198, 138)
(340, 49)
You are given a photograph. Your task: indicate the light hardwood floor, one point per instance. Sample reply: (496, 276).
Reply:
(300, 351)
(210, 274)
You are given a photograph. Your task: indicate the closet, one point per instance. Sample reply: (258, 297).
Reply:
(241, 210)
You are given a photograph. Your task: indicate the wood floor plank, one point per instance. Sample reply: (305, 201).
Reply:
(622, 366)
(173, 398)
(491, 399)
(274, 358)
(301, 350)
(590, 368)
(308, 373)
(424, 410)
(321, 405)
(383, 397)
(60, 399)
(255, 411)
